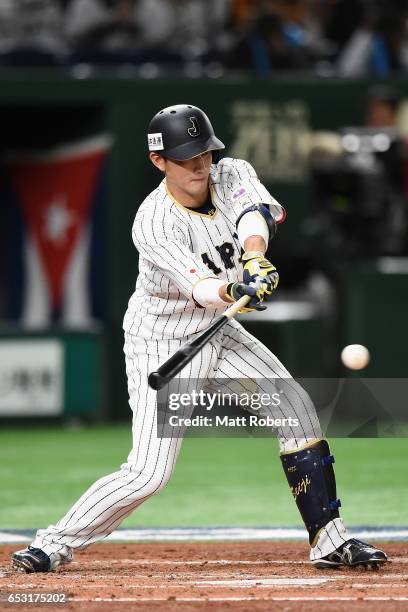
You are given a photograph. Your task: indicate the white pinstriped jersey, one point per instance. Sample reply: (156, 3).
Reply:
(179, 246)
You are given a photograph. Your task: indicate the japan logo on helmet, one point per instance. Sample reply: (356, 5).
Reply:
(194, 131)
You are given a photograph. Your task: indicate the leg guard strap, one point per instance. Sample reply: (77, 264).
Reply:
(311, 478)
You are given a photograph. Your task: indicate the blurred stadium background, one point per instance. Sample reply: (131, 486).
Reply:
(314, 93)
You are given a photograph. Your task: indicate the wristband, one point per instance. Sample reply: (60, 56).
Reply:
(206, 292)
(252, 254)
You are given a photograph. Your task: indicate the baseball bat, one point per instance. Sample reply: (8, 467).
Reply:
(184, 355)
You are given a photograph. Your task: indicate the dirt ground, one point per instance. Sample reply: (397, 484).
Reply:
(256, 576)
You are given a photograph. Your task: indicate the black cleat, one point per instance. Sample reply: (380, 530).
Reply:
(353, 553)
(31, 560)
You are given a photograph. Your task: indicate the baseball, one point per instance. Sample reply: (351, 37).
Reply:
(355, 356)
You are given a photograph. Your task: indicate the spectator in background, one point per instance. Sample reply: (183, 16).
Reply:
(382, 111)
(103, 25)
(382, 107)
(31, 32)
(341, 19)
(294, 16)
(159, 29)
(379, 44)
(192, 27)
(267, 45)
(243, 12)
(302, 26)
(361, 191)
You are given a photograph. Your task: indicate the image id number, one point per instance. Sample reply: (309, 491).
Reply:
(37, 598)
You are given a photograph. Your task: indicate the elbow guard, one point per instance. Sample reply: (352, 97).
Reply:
(259, 222)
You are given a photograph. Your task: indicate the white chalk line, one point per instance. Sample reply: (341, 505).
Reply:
(256, 584)
(231, 582)
(222, 534)
(206, 534)
(226, 599)
(251, 585)
(204, 562)
(187, 575)
(385, 585)
(214, 576)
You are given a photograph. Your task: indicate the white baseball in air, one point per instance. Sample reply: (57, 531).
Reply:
(355, 356)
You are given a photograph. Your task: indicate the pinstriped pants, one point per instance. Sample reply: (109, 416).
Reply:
(232, 354)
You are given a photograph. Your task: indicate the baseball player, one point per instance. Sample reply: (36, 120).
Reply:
(202, 238)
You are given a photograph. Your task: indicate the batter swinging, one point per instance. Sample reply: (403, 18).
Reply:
(189, 233)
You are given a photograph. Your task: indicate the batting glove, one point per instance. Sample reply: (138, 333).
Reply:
(257, 269)
(235, 291)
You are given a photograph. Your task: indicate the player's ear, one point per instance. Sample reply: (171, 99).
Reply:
(158, 161)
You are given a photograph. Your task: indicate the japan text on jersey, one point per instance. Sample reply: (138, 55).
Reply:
(179, 246)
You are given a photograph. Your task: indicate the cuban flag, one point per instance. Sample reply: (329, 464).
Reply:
(56, 200)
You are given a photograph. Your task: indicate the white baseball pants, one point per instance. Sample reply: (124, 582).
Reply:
(232, 354)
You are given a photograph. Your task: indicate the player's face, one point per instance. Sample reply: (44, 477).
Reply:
(187, 180)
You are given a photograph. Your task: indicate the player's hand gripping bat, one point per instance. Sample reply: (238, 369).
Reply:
(170, 368)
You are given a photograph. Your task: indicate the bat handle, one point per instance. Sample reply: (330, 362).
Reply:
(236, 306)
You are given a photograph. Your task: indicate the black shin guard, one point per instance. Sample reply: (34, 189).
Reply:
(310, 475)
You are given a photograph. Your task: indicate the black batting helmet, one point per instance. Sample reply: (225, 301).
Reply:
(181, 132)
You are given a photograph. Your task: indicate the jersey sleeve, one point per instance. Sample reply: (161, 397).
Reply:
(166, 246)
(246, 189)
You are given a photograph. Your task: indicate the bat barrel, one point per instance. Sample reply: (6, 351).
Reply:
(156, 381)
(174, 365)
(170, 368)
